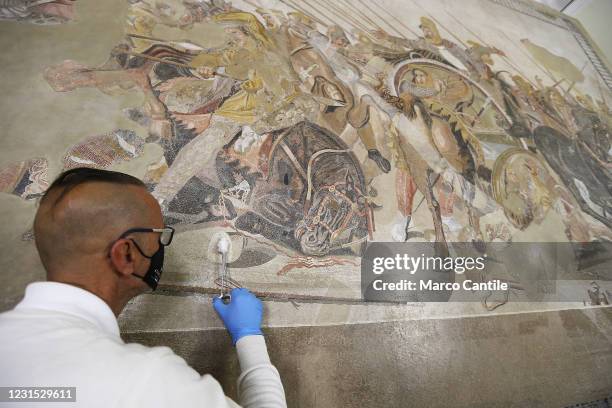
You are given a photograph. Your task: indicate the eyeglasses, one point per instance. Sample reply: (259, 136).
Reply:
(165, 234)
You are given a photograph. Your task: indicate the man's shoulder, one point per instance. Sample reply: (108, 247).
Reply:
(29, 328)
(78, 344)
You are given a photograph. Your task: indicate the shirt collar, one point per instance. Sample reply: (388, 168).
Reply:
(70, 299)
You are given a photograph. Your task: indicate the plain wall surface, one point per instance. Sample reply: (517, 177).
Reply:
(595, 16)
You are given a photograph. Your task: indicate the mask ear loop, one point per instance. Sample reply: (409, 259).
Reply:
(140, 250)
(143, 254)
(135, 244)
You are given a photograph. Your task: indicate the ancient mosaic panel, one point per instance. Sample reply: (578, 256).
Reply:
(305, 129)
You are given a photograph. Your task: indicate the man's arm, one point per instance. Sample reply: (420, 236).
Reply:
(259, 384)
(168, 381)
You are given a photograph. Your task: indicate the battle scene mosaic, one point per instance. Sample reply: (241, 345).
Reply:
(305, 129)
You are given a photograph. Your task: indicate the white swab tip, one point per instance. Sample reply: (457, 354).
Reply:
(223, 245)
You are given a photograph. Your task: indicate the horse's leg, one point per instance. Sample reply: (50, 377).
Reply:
(424, 162)
(405, 189)
(446, 197)
(359, 118)
(469, 193)
(195, 158)
(425, 180)
(456, 153)
(411, 190)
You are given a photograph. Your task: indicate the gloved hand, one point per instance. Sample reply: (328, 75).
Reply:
(242, 316)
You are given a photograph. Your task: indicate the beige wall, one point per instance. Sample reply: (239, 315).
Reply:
(595, 17)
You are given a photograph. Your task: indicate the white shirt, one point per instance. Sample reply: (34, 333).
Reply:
(61, 335)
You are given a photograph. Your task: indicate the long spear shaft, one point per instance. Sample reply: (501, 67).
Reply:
(320, 12)
(379, 16)
(347, 18)
(38, 3)
(144, 37)
(362, 14)
(288, 3)
(488, 45)
(437, 22)
(398, 21)
(479, 39)
(176, 64)
(310, 13)
(252, 3)
(569, 89)
(459, 40)
(356, 19)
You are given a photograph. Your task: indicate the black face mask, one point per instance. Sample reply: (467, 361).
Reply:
(154, 272)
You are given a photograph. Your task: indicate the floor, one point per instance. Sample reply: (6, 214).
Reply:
(543, 359)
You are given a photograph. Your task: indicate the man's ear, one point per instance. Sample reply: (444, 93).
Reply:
(122, 257)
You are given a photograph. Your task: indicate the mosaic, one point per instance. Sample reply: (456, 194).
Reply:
(306, 129)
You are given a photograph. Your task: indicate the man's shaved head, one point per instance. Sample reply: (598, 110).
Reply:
(85, 210)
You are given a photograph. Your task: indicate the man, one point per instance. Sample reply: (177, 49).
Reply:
(101, 239)
(335, 48)
(482, 60)
(245, 59)
(422, 85)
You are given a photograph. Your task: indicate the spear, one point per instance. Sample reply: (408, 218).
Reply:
(144, 37)
(380, 17)
(320, 12)
(176, 64)
(347, 18)
(300, 9)
(479, 39)
(459, 40)
(356, 17)
(569, 89)
(253, 4)
(488, 45)
(362, 14)
(556, 84)
(38, 3)
(311, 14)
(398, 20)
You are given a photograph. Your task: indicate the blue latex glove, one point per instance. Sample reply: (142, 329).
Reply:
(242, 316)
